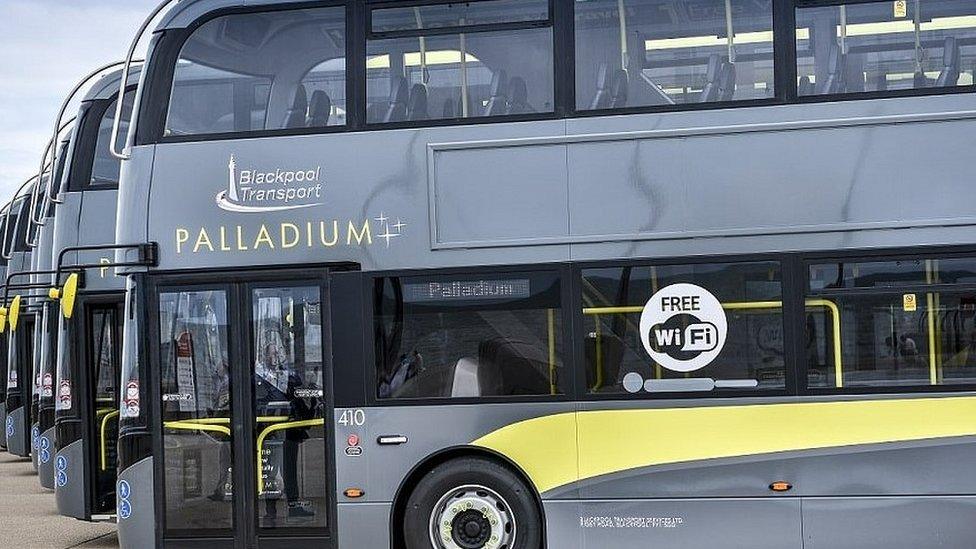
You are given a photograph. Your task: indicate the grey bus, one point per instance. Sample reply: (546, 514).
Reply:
(19, 322)
(549, 273)
(87, 333)
(4, 212)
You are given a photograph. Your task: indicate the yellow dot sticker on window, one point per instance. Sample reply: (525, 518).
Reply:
(901, 8)
(909, 303)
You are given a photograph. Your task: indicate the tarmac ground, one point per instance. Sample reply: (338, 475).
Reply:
(29, 518)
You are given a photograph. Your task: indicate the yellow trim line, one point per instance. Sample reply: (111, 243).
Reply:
(560, 449)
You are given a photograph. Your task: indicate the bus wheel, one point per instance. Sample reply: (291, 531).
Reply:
(471, 503)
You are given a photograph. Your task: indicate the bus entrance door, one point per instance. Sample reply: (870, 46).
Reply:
(243, 398)
(19, 387)
(87, 403)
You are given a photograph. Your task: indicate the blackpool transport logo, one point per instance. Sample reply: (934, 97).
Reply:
(277, 190)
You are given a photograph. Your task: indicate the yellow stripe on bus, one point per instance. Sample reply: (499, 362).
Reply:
(612, 441)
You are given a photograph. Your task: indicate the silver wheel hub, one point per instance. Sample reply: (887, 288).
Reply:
(472, 517)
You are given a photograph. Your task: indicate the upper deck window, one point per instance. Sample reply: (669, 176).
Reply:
(261, 71)
(105, 167)
(450, 61)
(885, 46)
(659, 53)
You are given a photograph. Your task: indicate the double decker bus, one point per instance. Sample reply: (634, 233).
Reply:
(87, 319)
(550, 273)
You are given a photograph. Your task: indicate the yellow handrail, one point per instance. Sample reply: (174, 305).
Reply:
(226, 420)
(274, 428)
(190, 426)
(746, 305)
(104, 441)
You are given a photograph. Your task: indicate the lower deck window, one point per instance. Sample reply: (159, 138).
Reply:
(468, 336)
(683, 328)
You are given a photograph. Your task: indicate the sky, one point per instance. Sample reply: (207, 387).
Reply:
(46, 47)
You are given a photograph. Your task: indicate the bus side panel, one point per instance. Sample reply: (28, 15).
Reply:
(136, 513)
(3, 423)
(360, 525)
(889, 523)
(45, 459)
(16, 438)
(760, 523)
(69, 481)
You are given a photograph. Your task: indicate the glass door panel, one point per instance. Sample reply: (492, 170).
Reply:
(104, 341)
(289, 409)
(196, 412)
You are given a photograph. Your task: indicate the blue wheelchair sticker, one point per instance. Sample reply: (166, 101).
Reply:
(45, 446)
(124, 491)
(62, 463)
(35, 434)
(125, 509)
(10, 426)
(62, 479)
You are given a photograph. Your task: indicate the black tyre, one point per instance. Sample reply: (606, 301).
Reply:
(472, 503)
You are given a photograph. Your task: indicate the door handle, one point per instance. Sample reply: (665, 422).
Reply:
(391, 440)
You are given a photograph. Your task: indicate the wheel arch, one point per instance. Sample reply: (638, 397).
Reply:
(443, 456)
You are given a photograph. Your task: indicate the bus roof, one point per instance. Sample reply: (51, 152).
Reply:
(107, 86)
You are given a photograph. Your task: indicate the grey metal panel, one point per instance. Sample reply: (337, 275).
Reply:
(133, 199)
(66, 225)
(45, 459)
(108, 86)
(3, 422)
(96, 226)
(138, 529)
(501, 194)
(364, 526)
(356, 192)
(563, 529)
(69, 481)
(889, 523)
(719, 523)
(16, 442)
(429, 429)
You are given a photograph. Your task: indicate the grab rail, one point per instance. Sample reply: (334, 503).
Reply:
(275, 428)
(117, 124)
(104, 439)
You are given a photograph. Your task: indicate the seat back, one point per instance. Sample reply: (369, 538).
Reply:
(319, 109)
(726, 81)
(417, 103)
(805, 86)
(510, 367)
(518, 92)
(949, 76)
(710, 91)
(296, 115)
(620, 90)
(498, 98)
(399, 94)
(602, 98)
(836, 70)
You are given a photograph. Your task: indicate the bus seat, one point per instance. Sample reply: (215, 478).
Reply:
(710, 91)
(498, 98)
(295, 117)
(449, 111)
(511, 367)
(620, 90)
(319, 109)
(726, 81)
(834, 81)
(417, 103)
(950, 64)
(399, 94)
(519, 101)
(602, 98)
(805, 87)
(466, 383)
(611, 358)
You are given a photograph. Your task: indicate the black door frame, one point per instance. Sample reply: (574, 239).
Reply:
(81, 352)
(237, 285)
